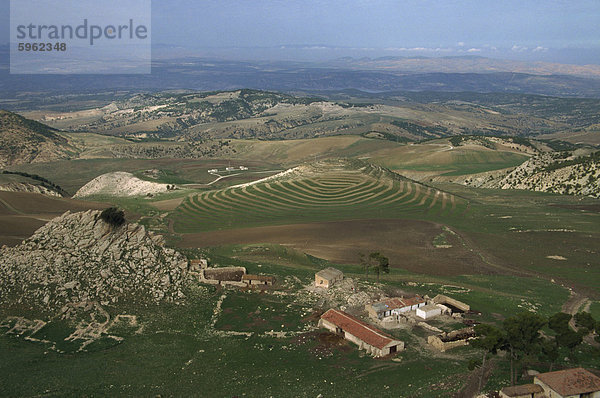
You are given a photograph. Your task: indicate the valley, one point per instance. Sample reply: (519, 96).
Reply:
(463, 198)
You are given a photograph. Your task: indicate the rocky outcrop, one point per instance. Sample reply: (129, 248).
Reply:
(557, 172)
(78, 258)
(120, 183)
(25, 187)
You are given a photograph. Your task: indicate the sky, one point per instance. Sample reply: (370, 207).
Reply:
(550, 30)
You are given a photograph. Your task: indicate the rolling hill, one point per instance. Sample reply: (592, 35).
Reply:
(27, 141)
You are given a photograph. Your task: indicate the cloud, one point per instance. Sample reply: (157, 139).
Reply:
(518, 48)
(461, 43)
(539, 49)
(474, 50)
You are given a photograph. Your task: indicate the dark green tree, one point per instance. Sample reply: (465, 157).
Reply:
(489, 339)
(364, 263)
(522, 338)
(113, 216)
(381, 263)
(549, 352)
(586, 321)
(565, 336)
(559, 322)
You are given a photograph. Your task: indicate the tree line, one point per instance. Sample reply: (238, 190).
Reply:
(522, 339)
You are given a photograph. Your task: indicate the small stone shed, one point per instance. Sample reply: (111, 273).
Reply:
(328, 277)
(523, 391)
(453, 304)
(198, 264)
(264, 280)
(367, 337)
(429, 311)
(571, 383)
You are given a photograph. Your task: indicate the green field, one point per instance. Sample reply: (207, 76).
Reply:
(72, 175)
(337, 192)
(439, 158)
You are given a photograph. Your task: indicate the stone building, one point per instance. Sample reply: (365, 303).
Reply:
(251, 279)
(328, 277)
(429, 311)
(393, 306)
(571, 383)
(523, 391)
(367, 337)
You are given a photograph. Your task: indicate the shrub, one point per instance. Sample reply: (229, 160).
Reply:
(113, 216)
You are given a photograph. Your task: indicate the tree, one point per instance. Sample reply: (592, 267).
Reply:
(565, 336)
(585, 320)
(569, 339)
(364, 263)
(113, 216)
(382, 263)
(489, 339)
(522, 337)
(549, 352)
(559, 322)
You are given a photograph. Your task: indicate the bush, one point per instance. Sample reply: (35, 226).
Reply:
(113, 216)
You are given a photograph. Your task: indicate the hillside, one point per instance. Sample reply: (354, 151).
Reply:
(27, 141)
(557, 172)
(199, 117)
(333, 189)
(78, 258)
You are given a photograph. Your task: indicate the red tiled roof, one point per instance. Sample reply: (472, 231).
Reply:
(571, 381)
(358, 328)
(412, 301)
(393, 303)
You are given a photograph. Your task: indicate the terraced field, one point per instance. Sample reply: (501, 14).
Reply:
(326, 191)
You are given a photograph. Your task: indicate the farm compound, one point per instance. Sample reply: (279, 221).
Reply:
(367, 337)
(328, 277)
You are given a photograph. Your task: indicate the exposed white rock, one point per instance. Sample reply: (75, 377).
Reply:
(120, 183)
(78, 257)
(26, 187)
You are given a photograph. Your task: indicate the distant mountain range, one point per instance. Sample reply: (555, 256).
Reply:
(451, 74)
(465, 64)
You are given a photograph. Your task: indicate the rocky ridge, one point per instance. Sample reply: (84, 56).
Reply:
(556, 172)
(78, 258)
(120, 183)
(25, 187)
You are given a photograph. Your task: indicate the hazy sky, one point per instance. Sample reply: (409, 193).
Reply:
(522, 28)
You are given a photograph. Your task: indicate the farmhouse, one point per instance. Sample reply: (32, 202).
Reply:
(429, 311)
(524, 391)
(385, 308)
(393, 306)
(251, 279)
(328, 277)
(571, 383)
(367, 337)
